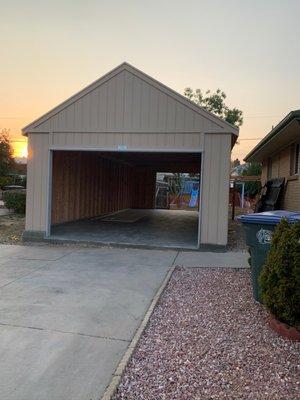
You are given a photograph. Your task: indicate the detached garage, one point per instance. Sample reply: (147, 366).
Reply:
(96, 162)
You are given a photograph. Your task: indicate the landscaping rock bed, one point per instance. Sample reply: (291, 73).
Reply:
(208, 339)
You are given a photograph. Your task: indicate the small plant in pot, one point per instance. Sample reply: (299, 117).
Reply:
(280, 280)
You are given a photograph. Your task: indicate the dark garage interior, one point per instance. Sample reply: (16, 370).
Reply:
(110, 197)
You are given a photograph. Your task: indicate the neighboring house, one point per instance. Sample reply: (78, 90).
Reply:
(279, 154)
(238, 170)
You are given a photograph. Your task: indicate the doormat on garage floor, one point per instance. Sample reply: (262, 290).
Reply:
(129, 216)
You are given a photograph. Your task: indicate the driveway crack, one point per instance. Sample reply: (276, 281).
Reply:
(25, 275)
(63, 332)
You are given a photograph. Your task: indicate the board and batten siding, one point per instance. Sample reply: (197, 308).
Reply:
(128, 110)
(215, 189)
(39, 145)
(215, 174)
(127, 103)
(37, 182)
(133, 141)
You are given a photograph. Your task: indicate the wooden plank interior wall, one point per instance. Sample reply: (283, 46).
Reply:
(144, 188)
(85, 185)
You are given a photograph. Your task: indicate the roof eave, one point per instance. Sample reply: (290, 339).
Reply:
(251, 156)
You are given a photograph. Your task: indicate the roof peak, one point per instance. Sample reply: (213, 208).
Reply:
(229, 128)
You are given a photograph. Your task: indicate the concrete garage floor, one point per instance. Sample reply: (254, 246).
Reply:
(67, 314)
(153, 228)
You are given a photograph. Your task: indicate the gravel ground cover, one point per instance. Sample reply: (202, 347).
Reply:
(207, 339)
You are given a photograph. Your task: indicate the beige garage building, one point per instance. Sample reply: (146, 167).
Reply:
(99, 153)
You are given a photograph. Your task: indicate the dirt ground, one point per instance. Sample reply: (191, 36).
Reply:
(236, 235)
(11, 228)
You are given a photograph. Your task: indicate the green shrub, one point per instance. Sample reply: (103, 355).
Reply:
(15, 200)
(6, 180)
(280, 277)
(22, 180)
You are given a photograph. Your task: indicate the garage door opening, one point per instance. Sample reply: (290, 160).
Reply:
(177, 191)
(118, 198)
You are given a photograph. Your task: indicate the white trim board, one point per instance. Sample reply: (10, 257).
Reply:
(128, 150)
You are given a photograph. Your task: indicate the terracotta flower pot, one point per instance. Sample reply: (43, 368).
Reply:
(284, 330)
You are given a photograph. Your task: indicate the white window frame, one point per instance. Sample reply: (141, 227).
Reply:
(295, 159)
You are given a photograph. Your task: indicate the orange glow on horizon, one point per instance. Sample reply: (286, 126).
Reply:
(20, 149)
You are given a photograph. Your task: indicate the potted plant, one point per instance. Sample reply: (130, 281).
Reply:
(280, 280)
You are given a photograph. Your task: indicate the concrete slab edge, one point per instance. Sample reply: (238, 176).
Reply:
(39, 237)
(117, 375)
(57, 240)
(33, 236)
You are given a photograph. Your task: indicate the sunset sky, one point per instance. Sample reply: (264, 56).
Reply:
(249, 49)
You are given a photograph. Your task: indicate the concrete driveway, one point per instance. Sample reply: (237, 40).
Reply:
(67, 316)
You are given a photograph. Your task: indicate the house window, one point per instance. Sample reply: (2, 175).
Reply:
(295, 154)
(269, 169)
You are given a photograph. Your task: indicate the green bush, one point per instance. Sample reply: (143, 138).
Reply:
(280, 277)
(15, 200)
(6, 180)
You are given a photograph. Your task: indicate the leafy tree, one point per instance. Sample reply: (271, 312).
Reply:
(6, 153)
(175, 184)
(252, 169)
(215, 103)
(235, 163)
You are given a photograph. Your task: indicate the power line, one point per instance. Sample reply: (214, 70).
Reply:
(257, 138)
(262, 116)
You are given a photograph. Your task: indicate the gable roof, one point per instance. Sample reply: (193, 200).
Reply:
(277, 137)
(222, 124)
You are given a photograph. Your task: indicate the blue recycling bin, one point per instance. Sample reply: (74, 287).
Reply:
(259, 228)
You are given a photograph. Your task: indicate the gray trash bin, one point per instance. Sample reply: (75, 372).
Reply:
(259, 228)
